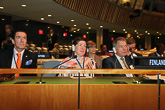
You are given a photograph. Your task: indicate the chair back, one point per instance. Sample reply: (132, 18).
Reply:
(50, 64)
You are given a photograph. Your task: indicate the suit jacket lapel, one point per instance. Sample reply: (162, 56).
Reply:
(128, 61)
(24, 59)
(117, 65)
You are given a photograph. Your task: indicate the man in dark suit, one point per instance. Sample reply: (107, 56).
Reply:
(9, 58)
(131, 48)
(117, 61)
(160, 47)
(52, 39)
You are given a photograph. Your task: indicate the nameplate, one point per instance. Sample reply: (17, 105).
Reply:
(44, 56)
(149, 62)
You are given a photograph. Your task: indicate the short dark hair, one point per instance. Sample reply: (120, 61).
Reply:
(9, 27)
(118, 39)
(77, 40)
(101, 46)
(13, 36)
(130, 40)
(159, 45)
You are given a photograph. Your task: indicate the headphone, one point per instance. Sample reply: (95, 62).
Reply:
(114, 50)
(87, 50)
(73, 47)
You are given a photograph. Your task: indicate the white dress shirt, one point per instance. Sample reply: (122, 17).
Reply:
(159, 54)
(13, 63)
(123, 65)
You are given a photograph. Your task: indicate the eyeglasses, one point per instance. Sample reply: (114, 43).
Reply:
(92, 47)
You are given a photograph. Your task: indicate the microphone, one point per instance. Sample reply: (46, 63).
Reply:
(75, 56)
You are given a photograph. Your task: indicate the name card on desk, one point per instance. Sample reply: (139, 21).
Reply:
(149, 62)
(44, 56)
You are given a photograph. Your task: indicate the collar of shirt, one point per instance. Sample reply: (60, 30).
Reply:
(120, 61)
(158, 54)
(123, 65)
(133, 55)
(15, 53)
(13, 65)
(119, 58)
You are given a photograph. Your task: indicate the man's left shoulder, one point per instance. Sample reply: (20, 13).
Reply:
(30, 53)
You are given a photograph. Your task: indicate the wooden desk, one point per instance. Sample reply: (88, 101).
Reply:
(98, 93)
(95, 94)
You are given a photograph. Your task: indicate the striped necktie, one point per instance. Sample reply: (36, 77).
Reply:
(18, 63)
(124, 63)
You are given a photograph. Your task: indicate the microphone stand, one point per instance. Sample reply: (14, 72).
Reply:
(75, 56)
(78, 90)
(40, 82)
(159, 83)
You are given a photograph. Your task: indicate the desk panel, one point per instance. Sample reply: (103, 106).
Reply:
(95, 94)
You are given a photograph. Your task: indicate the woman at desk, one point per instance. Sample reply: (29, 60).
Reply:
(80, 61)
(91, 46)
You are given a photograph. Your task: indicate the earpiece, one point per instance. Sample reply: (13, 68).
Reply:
(87, 50)
(73, 48)
(114, 49)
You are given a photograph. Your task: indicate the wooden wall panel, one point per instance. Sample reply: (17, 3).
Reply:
(87, 7)
(103, 12)
(82, 7)
(112, 11)
(161, 23)
(120, 17)
(70, 4)
(77, 5)
(115, 15)
(126, 18)
(73, 3)
(99, 8)
(107, 19)
(93, 4)
(107, 12)
(95, 9)
(153, 22)
(92, 9)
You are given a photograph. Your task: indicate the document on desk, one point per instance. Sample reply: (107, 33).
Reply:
(154, 77)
